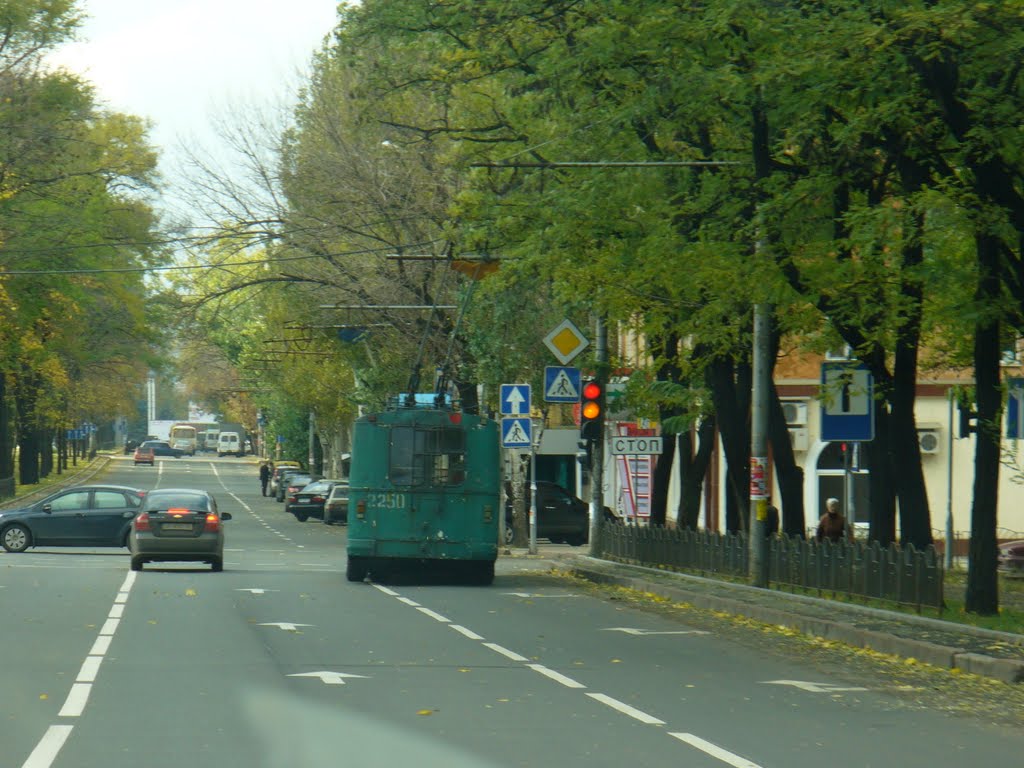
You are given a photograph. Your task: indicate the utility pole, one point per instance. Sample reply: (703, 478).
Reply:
(759, 467)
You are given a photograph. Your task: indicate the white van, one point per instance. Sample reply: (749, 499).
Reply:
(230, 442)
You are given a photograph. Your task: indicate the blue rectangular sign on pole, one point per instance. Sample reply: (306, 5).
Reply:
(515, 399)
(561, 384)
(1015, 409)
(847, 402)
(516, 432)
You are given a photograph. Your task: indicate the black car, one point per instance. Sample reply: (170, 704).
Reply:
(291, 486)
(285, 477)
(82, 516)
(561, 517)
(309, 502)
(162, 448)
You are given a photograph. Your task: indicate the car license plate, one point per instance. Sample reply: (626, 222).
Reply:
(177, 526)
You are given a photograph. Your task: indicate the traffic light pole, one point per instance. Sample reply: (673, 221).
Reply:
(597, 452)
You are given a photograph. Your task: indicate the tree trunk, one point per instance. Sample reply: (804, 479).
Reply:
(982, 583)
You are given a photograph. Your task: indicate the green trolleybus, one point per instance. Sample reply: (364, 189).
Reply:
(424, 491)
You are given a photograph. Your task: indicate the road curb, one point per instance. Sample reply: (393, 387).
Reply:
(1004, 670)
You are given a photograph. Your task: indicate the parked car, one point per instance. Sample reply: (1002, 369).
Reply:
(1011, 558)
(82, 516)
(178, 524)
(162, 448)
(285, 476)
(310, 501)
(561, 517)
(292, 485)
(144, 456)
(279, 469)
(336, 506)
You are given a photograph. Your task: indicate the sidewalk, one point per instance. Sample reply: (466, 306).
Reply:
(998, 655)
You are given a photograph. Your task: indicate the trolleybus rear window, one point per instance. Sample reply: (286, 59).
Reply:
(427, 456)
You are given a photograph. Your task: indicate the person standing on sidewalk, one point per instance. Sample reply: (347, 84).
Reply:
(833, 525)
(264, 476)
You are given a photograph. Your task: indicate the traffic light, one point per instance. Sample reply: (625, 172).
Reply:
(592, 411)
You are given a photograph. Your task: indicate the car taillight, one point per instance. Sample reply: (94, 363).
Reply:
(317, 499)
(141, 522)
(212, 523)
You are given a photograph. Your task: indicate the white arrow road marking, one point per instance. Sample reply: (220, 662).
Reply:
(330, 678)
(256, 591)
(287, 626)
(641, 632)
(813, 687)
(534, 594)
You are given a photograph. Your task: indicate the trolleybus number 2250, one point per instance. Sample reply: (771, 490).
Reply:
(386, 500)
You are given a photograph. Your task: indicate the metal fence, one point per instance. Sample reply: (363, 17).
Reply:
(904, 576)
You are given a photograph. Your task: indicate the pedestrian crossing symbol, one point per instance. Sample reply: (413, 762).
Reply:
(516, 432)
(561, 384)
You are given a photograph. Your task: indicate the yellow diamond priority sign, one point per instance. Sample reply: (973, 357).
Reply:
(565, 341)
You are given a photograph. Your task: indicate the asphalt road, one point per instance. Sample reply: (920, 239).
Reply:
(280, 662)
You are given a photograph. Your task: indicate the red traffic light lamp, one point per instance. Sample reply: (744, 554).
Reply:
(592, 411)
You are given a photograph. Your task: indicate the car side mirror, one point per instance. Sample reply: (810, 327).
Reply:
(225, 515)
(47, 508)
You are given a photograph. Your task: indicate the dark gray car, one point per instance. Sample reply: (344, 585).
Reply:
(82, 516)
(178, 524)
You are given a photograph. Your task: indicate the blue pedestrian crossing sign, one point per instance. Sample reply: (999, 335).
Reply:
(516, 432)
(515, 399)
(847, 402)
(561, 384)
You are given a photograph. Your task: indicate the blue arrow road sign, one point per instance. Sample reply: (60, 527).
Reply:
(515, 399)
(516, 432)
(847, 402)
(561, 384)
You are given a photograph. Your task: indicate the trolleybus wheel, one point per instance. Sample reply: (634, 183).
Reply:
(355, 569)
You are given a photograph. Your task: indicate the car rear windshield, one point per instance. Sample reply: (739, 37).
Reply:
(318, 487)
(164, 501)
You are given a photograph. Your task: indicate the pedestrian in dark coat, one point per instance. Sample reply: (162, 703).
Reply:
(264, 476)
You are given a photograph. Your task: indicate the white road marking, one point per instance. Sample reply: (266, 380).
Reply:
(46, 750)
(813, 687)
(558, 677)
(467, 632)
(643, 632)
(253, 590)
(505, 652)
(101, 646)
(535, 594)
(625, 709)
(110, 626)
(434, 615)
(122, 597)
(76, 700)
(285, 625)
(116, 611)
(409, 601)
(385, 590)
(89, 670)
(330, 678)
(715, 751)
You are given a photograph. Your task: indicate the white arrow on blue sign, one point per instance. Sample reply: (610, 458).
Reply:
(515, 399)
(516, 432)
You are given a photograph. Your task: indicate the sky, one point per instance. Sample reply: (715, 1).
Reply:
(185, 63)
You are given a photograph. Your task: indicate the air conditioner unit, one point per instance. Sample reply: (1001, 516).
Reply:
(928, 440)
(798, 438)
(795, 412)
